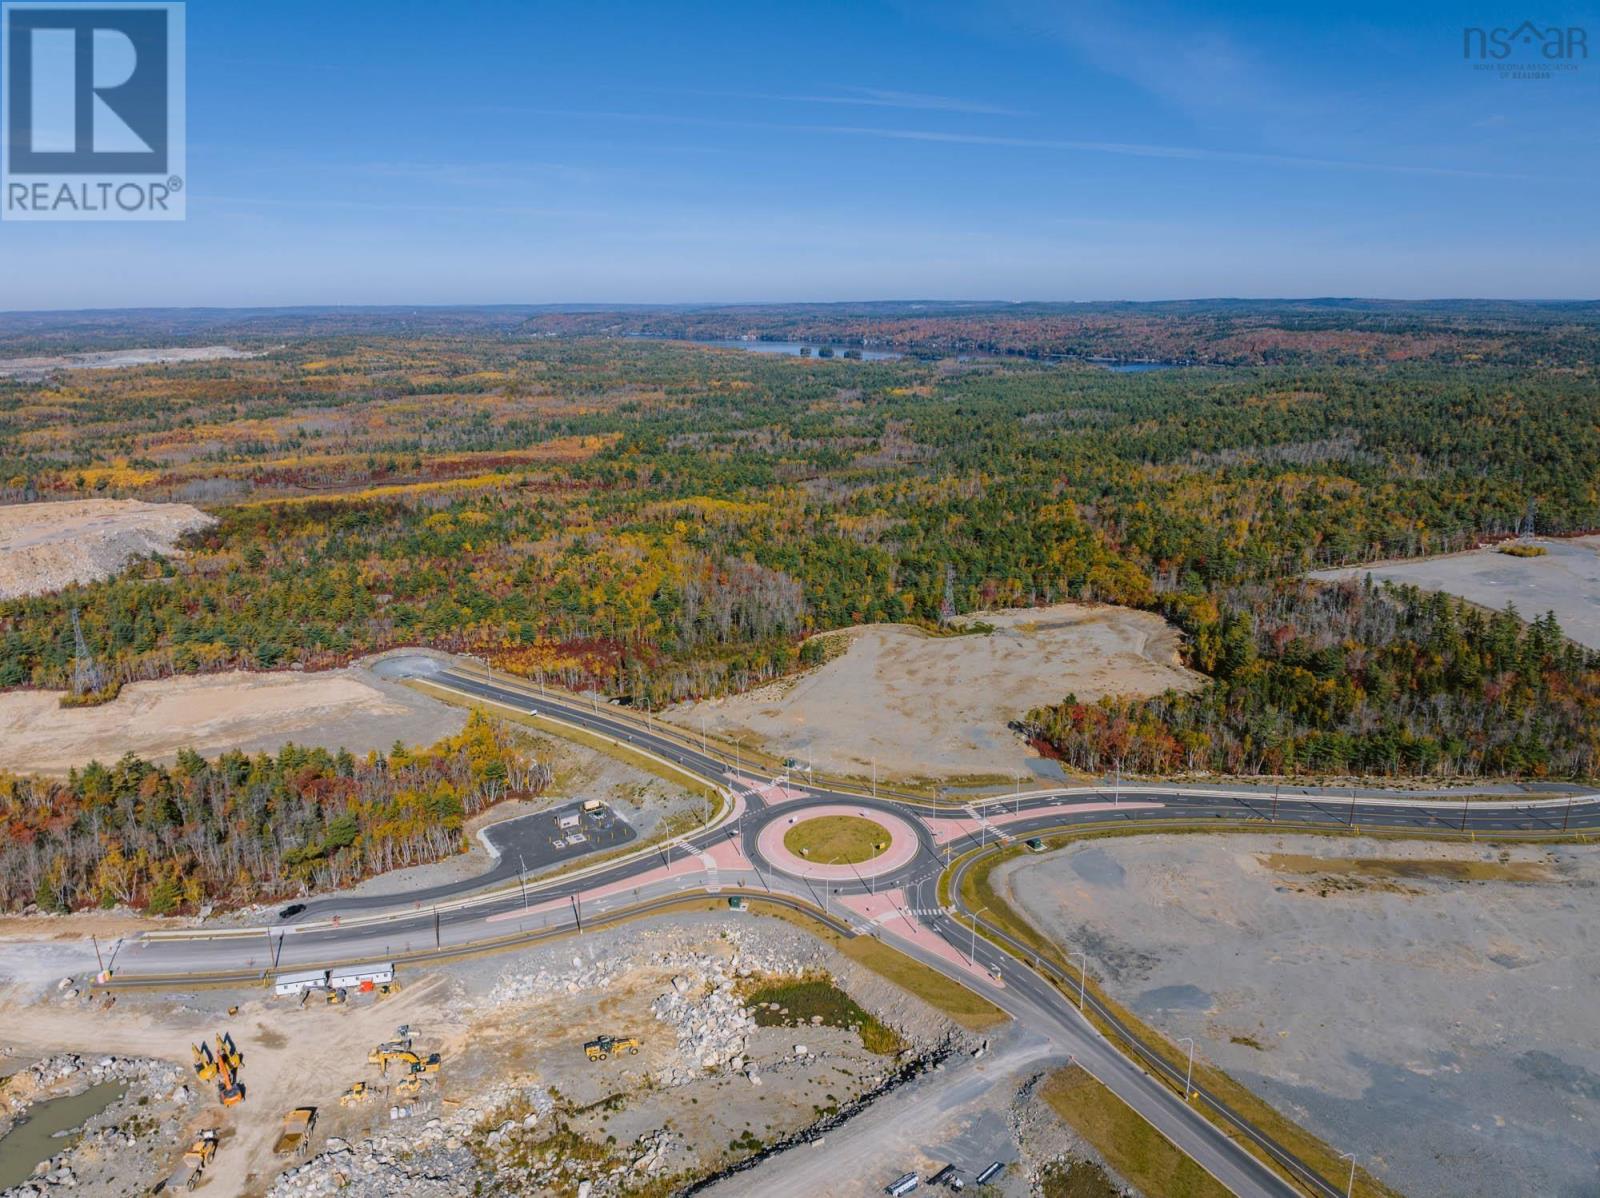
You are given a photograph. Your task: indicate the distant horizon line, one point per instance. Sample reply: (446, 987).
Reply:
(670, 305)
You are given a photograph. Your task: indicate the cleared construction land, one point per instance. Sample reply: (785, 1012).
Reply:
(728, 1063)
(349, 709)
(921, 706)
(1564, 579)
(1427, 1006)
(34, 369)
(47, 546)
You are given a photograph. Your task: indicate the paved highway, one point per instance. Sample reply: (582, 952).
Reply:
(901, 904)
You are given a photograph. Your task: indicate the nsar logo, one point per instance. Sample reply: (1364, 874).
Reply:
(92, 111)
(1526, 51)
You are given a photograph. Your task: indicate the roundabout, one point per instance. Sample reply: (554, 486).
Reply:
(837, 842)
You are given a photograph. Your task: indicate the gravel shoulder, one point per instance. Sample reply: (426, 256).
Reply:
(1433, 1013)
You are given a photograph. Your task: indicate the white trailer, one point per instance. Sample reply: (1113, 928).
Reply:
(299, 983)
(353, 977)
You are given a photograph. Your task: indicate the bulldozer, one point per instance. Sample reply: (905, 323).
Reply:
(358, 1093)
(335, 997)
(609, 1046)
(205, 1065)
(228, 1051)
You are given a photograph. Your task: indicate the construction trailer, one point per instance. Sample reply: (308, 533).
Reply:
(299, 983)
(360, 977)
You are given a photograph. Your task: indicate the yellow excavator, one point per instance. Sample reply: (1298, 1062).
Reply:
(205, 1065)
(228, 1051)
(401, 1053)
(609, 1046)
(358, 1093)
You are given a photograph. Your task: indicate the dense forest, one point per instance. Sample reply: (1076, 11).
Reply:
(237, 828)
(664, 521)
(1349, 678)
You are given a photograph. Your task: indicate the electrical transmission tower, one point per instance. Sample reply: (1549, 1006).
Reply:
(1528, 520)
(947, 607)
(87, 676)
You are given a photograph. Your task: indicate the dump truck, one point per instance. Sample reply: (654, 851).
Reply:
(609, 1046)
(187, 1175)
(296, 1133)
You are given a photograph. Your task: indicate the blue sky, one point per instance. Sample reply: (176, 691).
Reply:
(361, 152)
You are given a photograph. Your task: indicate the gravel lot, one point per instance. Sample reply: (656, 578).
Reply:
(1443, 1030)
(1566, 580)
(45, 546)
(922, 706)
(350, 709)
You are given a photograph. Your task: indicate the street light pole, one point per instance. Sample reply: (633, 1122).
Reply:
(522, 880)
(1350, 1185)
(1083, 969)
(973, 955)
(1188, 1080)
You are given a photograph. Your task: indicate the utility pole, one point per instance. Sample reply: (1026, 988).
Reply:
(1188, 1080)
(1116, 787)
(1352, 806)
(522, 880)
(1275, 791)
(438, 941)
(1566, 816)
(1083, 970)
(577, 911)
(101, 960)
(1463, 813)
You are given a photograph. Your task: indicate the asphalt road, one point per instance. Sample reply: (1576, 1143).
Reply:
(421, 925)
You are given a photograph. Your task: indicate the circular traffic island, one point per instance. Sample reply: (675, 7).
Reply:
(845, 839)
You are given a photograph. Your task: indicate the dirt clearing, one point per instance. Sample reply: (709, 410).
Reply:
(1427, 1006)
(928, 707)
(46, 546)
(349, 709)
(1565, 580)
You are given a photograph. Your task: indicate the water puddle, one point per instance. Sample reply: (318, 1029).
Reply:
(37, 1137)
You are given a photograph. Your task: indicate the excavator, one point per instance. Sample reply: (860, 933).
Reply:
(228, 1051)
(358, 1093)
(229, 1088)
(205, 1065)
(609, 1046)
(400, 1052)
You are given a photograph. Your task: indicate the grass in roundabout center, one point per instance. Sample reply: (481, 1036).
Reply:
(847, 839)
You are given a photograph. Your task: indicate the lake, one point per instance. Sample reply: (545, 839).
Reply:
(794, 349)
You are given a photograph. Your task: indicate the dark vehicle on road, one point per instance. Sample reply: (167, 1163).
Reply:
(291, 910)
